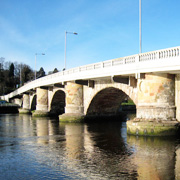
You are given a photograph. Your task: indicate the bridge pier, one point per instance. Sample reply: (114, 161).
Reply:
(156, 112)
(42, 103)
(74, 110)
(178, 97)
(26, 105)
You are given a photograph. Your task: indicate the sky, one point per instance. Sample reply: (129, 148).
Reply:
(107, 29)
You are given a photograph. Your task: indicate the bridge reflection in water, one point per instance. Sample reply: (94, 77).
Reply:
(85, 151)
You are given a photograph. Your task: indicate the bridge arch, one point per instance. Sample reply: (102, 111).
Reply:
(106, 99)
(106, 102)
(57, 105)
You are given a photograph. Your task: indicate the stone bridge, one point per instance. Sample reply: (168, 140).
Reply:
(151, 80)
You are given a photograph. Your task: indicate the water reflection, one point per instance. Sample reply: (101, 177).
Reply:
(74, 140)
(47, 130)
(86, 151)
(154, 157)
(111, 152)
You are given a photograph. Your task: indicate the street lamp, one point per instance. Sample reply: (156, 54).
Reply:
(140, 28)
(35, 63)
(65, 46)
(20, 75)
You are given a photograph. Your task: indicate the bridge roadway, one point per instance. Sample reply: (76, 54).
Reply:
(153, 83)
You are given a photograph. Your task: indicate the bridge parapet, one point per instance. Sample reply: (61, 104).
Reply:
(160, 54)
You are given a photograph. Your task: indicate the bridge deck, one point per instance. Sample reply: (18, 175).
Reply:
(162, 61)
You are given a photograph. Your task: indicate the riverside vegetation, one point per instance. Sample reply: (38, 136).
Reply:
(14, 75)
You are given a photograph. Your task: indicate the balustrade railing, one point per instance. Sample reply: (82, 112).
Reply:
(117, 62)
(130, 59)
(143, 57)
(160, 54)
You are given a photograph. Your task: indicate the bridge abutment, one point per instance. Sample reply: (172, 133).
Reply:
(42, 102)
(156, 112)
(18, 101)
(74, 109)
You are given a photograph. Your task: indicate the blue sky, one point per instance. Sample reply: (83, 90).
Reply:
(106, 29)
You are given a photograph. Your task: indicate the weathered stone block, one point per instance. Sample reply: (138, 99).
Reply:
(71, 117)
(156, 112)
(152, 128)
(39, 113)
(24, 111)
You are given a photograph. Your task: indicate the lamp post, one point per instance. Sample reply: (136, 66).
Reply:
(140, 28)
(35, 63)
(65, 46)
(20, 75)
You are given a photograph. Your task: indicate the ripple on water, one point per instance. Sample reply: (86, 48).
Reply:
(45, 149)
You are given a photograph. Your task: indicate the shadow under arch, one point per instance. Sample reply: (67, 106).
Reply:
(33, 104)
(58, 103)
(106, 104)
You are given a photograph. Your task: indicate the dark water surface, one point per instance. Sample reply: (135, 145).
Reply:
(46, 149)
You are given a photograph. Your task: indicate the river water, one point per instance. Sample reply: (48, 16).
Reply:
(43, 148)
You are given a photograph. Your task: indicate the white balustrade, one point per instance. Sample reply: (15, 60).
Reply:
(117, 62)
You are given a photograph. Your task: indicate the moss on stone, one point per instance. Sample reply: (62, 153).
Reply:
(71, 118)
(165, 128)
(40, 114)
(24, 111)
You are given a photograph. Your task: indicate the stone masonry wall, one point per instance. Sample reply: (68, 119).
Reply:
(177, 83)
(74, 98)
(156, 97)
(26, 101)
(42, 99)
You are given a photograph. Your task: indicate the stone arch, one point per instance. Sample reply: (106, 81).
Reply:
(57, 105)
(106, 102)
(90, 93)
(33, 103)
